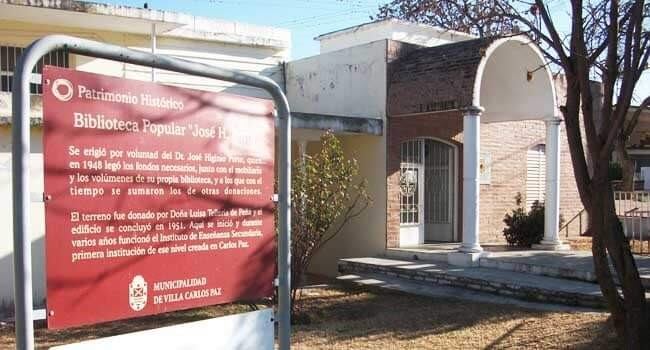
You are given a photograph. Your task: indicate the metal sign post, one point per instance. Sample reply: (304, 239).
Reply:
(21, 152)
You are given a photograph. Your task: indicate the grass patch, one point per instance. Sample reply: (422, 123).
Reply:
(370, 318)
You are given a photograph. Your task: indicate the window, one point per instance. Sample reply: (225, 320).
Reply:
(535, 175)
(9, 56)
(409, 181)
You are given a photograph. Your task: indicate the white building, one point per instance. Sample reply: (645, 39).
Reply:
(468, 122)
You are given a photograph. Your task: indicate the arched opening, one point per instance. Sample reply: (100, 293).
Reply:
(514, 83)
(428, 188)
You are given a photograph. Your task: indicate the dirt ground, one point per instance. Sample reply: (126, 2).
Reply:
(361, 318)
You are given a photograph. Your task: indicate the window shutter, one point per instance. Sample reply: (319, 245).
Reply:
(535, 175)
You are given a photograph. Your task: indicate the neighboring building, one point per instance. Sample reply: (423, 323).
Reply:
(226, 44)
(466, 123)
(638, 145)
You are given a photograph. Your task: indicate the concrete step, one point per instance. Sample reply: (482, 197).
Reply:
(517, 285)
(415, 254)
(383, 281)
(530, 266)
(570, 265)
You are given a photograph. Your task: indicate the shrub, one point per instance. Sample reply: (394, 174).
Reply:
(523, 229)
(327, 192)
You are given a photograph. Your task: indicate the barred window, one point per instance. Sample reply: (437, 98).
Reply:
(409, 181)
(9, 56)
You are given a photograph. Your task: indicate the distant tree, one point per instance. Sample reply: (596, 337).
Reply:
(478, 17)
(607, 41)
(326, 194)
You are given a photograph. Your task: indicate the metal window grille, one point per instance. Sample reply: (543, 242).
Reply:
(437, 162)
(411, 159)
(9, 56)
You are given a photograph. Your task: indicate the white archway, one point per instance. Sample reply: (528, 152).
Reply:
(512, 83)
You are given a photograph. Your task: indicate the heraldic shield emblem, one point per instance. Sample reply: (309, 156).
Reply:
(138, 293)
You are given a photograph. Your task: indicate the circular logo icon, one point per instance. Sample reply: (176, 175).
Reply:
(138, 293)
(62, 89)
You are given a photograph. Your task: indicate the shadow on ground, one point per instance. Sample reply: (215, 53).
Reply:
(351, 316)
(344, 317)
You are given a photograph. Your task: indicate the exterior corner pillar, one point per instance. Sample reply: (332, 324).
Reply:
(471, 152)
(551, 240)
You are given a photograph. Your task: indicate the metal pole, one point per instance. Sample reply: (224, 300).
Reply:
(284, 240)
(21, 152)
(20, 186)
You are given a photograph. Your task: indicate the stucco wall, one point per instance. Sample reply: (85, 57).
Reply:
(365, 234)
(349, 82)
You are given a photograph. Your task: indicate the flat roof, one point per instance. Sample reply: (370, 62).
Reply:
(127, 19)
(377, 23)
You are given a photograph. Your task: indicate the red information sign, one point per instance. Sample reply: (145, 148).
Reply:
(158, 198)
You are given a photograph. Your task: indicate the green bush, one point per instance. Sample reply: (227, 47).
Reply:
(523, 229)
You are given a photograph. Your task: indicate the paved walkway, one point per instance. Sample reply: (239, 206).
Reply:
(564, 264)
(506, 283)
(441, 291)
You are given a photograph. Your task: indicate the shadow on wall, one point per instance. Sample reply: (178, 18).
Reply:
(275, 73)
(38, 277)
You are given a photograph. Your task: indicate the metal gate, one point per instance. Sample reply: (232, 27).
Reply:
(427, 192)
(438, 191)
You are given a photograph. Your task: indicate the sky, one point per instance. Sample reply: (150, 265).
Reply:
(306, 19)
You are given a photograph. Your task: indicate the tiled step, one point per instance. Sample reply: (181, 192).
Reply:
(506, 283)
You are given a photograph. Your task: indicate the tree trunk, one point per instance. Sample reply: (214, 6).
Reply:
(628, 311)
(627, 166)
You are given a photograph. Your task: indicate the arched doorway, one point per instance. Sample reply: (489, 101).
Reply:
(427, 191)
